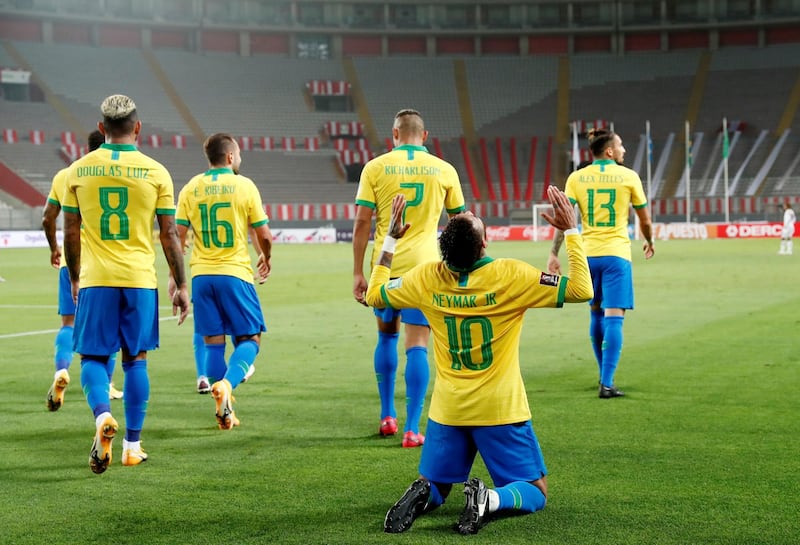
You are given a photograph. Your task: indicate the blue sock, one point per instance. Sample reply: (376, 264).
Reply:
(522, 496)
(110, 365)
(215, 362)
(94, 381)
(242, 358)
(199, 354)
(63, 357)
(137, 395)
(385, 371)
(596, 336)
(417, 376)
(612, 348)
(435, 499)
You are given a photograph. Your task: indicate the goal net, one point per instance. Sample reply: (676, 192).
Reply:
(541, 228)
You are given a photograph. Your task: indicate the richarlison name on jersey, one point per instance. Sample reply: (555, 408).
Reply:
(464, 301)
(112, 170)
(412, 170)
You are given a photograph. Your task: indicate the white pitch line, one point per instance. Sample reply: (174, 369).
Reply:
(50, 331)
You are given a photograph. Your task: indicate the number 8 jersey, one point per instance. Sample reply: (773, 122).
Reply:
(118, 190)
(604, 192)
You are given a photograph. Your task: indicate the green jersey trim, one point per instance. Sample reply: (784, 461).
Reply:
(385, 296)
(165, 211)
(71, 210)
(477, 265)
(411, 147)
(260, 223)
(119, 147)
(365, 203)
(223, 170)
(562, 291)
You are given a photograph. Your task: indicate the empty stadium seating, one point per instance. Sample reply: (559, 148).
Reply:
(509, 97)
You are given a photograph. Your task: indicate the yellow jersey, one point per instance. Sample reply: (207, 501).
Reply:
(118, 190)
(476, 318)
(604, 192)
(429, 185)
(220, 207)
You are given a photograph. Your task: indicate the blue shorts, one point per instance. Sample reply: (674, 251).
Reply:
(225, 305)
(612, 279)
(411, 316)
(510, 452)
(66, 305)
(108, 319)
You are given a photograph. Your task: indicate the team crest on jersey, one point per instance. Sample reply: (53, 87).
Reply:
(396, 283)
(548, 279)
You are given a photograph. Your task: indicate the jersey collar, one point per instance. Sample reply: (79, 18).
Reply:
(118, 147)
(412, 147)
(224, 170)
(603, 162)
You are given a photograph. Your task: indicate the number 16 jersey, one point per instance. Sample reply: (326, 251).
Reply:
(220, 206)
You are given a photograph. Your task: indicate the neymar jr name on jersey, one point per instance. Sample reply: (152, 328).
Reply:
(112, 170)
(412, 170)
(464, 301)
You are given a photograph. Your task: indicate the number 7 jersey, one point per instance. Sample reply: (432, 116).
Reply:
(118, 190)
(429, 185)
(604, 192)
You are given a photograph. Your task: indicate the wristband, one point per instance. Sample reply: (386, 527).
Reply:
(573, 231)
(389, 244)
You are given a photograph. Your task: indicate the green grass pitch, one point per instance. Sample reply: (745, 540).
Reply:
(703, 450)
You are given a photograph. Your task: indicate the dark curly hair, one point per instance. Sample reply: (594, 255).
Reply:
(95, 140)
(599, 140)
(461, 243)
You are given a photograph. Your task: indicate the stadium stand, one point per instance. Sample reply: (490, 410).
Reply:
(86, 75)
(501, 86)
(427, 85)
(252, 96)
(506, 109)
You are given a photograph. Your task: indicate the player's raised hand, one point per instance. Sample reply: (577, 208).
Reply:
(563, 216)
(397, 228)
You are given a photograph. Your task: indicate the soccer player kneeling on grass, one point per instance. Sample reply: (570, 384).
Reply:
(475, 306)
